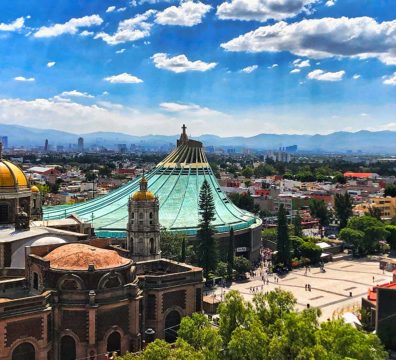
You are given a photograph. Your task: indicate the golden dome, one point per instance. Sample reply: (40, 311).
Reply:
(34, 189)
(81, 256)
(143, 196)
(11, 177)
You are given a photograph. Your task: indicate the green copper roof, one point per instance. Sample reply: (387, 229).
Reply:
(176, 181)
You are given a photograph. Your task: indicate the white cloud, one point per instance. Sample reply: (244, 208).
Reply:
(326, 76)
(180, 63)
(120, 51)
(105, 93)
(176, 107)
(51, 64)
(390, 80)
(295, 71)
(110, 9)
(188, 13)
(190, 110)
(22, 78)
(356, 77)
(15, 25)
(65, 115)
(262, 10)
(273, 66)
(86, 33)
(330, 3)
(121, 9)
(70, 27)
(360, 37)
(249, 69)
(299, 63)
(132, 29)
(75, 93)
(123, 78)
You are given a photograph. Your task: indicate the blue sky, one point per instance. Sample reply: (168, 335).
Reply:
(226, 67)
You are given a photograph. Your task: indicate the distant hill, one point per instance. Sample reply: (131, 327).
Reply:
(366, 141)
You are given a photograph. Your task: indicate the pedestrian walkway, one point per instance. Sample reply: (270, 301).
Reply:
(339, 288)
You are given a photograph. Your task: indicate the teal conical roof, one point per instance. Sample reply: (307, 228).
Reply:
(176, 181)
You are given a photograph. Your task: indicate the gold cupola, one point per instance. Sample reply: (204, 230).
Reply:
(12, 178)
(143, 194)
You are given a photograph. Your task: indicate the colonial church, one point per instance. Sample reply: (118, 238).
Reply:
(66, 295)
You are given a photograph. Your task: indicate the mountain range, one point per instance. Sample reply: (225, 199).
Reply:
(365, 141)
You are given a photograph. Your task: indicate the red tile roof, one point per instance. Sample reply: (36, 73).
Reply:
(357, 175)
(372, 292)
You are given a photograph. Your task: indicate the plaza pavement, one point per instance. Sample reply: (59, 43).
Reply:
(330, 291)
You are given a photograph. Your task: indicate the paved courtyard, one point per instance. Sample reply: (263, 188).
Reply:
(330, 290)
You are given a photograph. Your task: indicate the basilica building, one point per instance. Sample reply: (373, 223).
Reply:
(66, 295)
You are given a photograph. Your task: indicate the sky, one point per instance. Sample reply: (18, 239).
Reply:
(224, 67)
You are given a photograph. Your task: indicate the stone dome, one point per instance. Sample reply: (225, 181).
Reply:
(80, 256)
(12, 178)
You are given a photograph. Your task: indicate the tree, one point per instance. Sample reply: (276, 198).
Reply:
(172, 245)
(198, 332)
(248, 343)
(273, 305)
(373, 231)
(247, 172)
(234, 312)
(297, 230)
(391, 238)
(241, 265)
(230, 254)
(390, 190)
(269, 328)
(374, 212)
(352, 237)
(343, 208)
(318, 209)
(310, 251)
(206, 244)
(44, 189)
(270, 235)
(283, 241)
(344, 341)
(222, 269)
(183, 250)
(264, 170)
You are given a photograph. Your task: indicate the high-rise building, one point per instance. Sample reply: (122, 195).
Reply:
(46, 145)
(4, 141)
(80, 145)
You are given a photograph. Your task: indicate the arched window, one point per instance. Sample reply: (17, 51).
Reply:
(133, 215)
(152, 246)
(24, 351)
(67, 348)
(172, 323)
(151, 215)
(141, 215)
(114, 343)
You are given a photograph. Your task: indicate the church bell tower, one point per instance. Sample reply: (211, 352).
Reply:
(143, 241)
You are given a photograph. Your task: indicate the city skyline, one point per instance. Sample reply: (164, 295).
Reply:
(224, 67)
